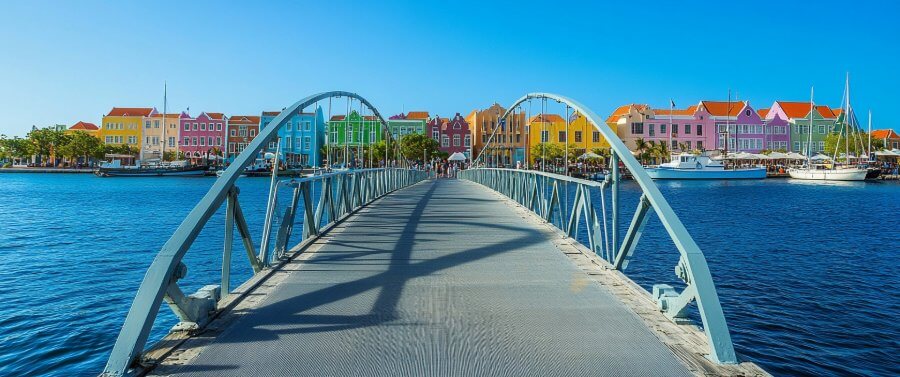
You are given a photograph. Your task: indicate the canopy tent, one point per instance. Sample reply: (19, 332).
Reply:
(589, 155)
(795, 156)
(457, 157)
(886, 154)
(761, 156)
(777, 155)
(820, 157)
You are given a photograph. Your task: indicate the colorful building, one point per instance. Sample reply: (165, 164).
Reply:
(242, 129)
(628, 122)
(122, 125)
(160, 134)
(302, 137)
(509, 144)
(581, 134)
(354, 130)
(453, 135)
(746, 130)
(890, 138)
(203, 137)
(778, 134)
(406, 124)
(88, 128)
(797, 115)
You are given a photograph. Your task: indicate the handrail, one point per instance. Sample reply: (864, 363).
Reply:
(342, 193)
(692, 266)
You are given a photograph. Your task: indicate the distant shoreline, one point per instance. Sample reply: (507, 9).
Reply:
(47, 170)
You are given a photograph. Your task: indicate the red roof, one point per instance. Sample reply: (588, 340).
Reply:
(130, 111)
(885, 134)
(687, 111)
(271, 113)
(762, 112)
(721, 108)
(801, 109)
(244, 119)
(84, 126)
(420, 115)
(168, 116)
(216, 116)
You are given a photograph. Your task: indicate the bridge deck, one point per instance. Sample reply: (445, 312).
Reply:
(437, 279)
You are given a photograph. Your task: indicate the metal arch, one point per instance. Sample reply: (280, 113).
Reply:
(142, 314)
(695, 264)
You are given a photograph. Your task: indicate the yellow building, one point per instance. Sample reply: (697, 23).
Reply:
(89, 128)
(122, 125)
(508, 145)
(551, 129)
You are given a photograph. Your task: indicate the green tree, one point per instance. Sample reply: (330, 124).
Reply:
(45, 141)
(416, 146)
(837, 142)
(548, 151)
(80, 144)
(641, 146)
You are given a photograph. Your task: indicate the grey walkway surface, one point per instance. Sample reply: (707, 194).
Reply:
(440, 279)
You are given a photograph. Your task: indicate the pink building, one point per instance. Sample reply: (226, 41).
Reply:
(689, 128)
(778, 131)
(204, 136)
(452, 134)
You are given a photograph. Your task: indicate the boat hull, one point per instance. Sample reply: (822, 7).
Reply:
(828, 174)
(699, 174)
(194, 171)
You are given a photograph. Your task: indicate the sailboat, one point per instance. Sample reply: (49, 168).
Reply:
(822, 172)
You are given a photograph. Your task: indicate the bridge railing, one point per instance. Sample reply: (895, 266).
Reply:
(541, 192)
(339, 194)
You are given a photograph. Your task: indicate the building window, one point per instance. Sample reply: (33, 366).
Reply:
(595, 137)
(218, 140)
(202, 126)
(562, 136)
(687, 129)
(252, 132)
(155, 124)
(232, 132)
(638, 128)
(577, 136)
(289, 126)
(456, 141)
(674, 143)
(467, 141)
(699, 131)
(306, 142)
(132, 140)
(171, 141)
(187, 141)
(652, 129)
(194, 141)
(147, 124)
(202, 141)
(196, 125)
(700, 144)
(674, 129)
(445, 141)
(218, 126)
(545, 136)
(187, 126)
(662, 129)
(435, 135)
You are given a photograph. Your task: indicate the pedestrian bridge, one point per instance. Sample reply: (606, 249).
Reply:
(397, 273)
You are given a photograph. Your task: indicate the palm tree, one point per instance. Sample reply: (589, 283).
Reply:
(640, 145)
(662, 152)
(683, 147)
(651, 146)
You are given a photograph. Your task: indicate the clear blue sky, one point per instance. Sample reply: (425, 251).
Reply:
(65, 61)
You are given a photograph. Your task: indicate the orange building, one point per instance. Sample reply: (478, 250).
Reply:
(509, 144)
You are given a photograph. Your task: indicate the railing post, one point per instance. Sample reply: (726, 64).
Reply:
(615, 199)
(229, 240)
(633, 235)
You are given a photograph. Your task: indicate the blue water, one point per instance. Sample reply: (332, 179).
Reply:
(807, 273)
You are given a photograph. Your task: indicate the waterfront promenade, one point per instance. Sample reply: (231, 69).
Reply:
(442, 278)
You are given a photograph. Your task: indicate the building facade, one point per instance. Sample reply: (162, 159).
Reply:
(88, 128)
(798, 117)
(509, 144)
(203, 137)
(302, 137)
(160, 134)
(122, 125)
(353, 130)
(242, 129)
(890, 138)
(453, 135)
(778, 131)
(402, 124)
(628, 122)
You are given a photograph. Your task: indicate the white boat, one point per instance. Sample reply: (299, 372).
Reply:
(826, 174)
(691, 166)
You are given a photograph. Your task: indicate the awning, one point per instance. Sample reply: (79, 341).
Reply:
(457, 157)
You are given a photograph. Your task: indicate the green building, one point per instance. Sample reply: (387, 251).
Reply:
(353, 130)
(405, 124)
(798, 116)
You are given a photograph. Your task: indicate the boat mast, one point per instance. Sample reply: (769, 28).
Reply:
(162, 149)
(812, 106)
(727, 126)
(846, 125)
(869, 153)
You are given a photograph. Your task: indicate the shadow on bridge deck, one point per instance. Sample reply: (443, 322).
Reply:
(437, 279)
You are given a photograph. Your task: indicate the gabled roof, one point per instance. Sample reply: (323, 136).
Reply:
(84, 126)
(547, 118)
(216, 116)
(801, 109)
(418, 115)
(762, 112)
(130, 111)
(837, 112)
(885, 134)
(624, 110)
(723, 108)
(244, 119)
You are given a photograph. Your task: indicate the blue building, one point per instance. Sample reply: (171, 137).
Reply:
(302, 137)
